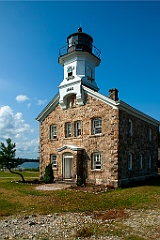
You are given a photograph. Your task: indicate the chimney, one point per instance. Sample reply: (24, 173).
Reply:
(113, 94)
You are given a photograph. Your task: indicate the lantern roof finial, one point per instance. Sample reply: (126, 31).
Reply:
(79, 29)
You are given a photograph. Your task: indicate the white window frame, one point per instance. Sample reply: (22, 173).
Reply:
(53, 131)
(78, 128)
(130, 160)
(149, 161)
(70, 71)
(68, 130)
(54, 160)
(130, 128)
(96, 125)
(150, 134)
(141, 161)
(96, 161)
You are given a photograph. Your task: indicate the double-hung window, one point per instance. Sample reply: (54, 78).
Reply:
(53, 131)
(96, 125)
(150, 135)
(130, 158)
(130, 128)
(77, 128)
(96, 161)
(54, 160)
(68, 130)
(149, 162)
(141, 161)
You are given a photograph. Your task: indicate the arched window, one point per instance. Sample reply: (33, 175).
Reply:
(71, 101)
(96, 161)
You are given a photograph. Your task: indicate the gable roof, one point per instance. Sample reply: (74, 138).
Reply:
(114, 104)
(49, 108)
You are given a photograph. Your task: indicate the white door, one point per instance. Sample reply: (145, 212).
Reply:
(67, 166)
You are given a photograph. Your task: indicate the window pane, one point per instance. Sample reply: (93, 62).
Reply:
(75, 40)
(70, 40)
(96, 161)
(53, 131)
(78, 128)
(149, 161)
(53, 160)
(130, 161)
(130, 127)
(150, 134)
(68, 130)
(141, 161)
(97, 126)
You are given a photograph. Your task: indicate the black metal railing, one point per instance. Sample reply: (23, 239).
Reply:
(64, 50)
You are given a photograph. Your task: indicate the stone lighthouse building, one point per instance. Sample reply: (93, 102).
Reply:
(86, 134)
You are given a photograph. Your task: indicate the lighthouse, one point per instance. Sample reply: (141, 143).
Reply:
(79, 59)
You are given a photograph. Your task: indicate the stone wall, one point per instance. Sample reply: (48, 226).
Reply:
(138, 143)
(105, 143)
(114, 143)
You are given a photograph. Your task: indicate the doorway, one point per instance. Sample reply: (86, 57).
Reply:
(67, 165)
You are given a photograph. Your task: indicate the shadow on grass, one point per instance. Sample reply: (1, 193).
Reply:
(35, 181)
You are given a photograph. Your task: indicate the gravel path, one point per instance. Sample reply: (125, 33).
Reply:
(71, 226)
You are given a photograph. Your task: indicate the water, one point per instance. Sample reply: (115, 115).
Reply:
(30, 165)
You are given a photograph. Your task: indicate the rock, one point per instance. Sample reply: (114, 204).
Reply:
(64, 226)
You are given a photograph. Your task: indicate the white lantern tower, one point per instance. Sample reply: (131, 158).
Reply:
(79, 59)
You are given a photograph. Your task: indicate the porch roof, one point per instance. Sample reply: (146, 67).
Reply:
(71, 147)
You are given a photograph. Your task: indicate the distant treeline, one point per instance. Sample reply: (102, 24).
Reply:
(29, 160)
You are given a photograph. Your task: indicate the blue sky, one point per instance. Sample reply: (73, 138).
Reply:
(31, 33)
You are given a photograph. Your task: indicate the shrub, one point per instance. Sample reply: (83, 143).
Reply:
(48, 175)
(79, 181)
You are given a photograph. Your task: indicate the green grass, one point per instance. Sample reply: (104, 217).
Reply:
(44, 202)
(22, 198)
(27, 174)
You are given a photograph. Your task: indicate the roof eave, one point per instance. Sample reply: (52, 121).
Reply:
(124, 106)
(51, 106)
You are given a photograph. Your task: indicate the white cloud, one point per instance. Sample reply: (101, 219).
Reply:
(31, 147)
(14, 126)
(41, 102)
(28, 105)
(21, 98)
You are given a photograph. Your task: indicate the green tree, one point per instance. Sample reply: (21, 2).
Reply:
(7, 157)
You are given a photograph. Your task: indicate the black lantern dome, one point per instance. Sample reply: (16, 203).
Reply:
(79, 41)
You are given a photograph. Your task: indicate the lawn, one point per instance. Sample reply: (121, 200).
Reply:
(17, 197)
